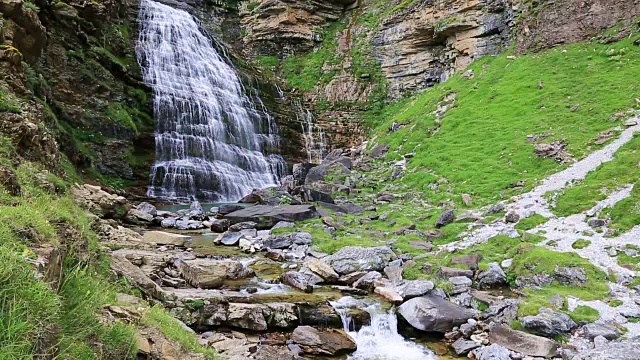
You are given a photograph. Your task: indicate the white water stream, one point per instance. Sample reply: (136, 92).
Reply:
(212, 142)
(379, 340)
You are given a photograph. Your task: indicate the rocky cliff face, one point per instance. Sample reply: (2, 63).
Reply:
(426, 43)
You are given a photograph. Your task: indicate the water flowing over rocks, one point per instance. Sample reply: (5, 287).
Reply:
(195, 157)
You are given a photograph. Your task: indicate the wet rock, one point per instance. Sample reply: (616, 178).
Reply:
(367, 282)
(266, 216)
(616, 350)
(220, 225)
(573, 276)
(492, 352)
(209, 273)
(493, 277)
(164, 238)
(445, 218)
(470, 260)
(608, 331)
(231, 238)
(463, 347)
(548, 323)
(300, 281)
(522, 342)
(433, 314)
(596, 223)
(460, 284)
(352, 258)
(323, 342)
(512, 217)
(447, 272)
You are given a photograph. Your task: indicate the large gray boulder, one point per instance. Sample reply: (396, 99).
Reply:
(352, 258)
(608, 331)
(618, 350)
(548, 323)
(434, 314)
(492, 352)
(266, 216)
(493, 277)
(323, 342)
(287, 240)
(522, 342)
(445, 218)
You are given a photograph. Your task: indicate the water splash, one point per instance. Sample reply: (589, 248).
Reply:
(212, 142)
(379, 340)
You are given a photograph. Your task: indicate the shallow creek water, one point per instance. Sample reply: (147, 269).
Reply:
(378, 340)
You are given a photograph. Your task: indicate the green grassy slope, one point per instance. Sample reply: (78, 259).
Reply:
(570, 92)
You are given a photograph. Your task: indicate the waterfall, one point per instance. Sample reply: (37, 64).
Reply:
(212, 143)
(379, 340)
(313, 135)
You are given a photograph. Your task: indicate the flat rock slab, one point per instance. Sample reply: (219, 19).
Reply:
(522, 342)
(266, 216)
(165, 238)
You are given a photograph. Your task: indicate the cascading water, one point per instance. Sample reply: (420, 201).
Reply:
(313, 135)
(379, 340)
(210, 138)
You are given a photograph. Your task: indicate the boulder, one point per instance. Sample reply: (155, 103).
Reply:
(136, 277)
(135, 214)
(164, 238)
(229, 208)
(145, 207)
(323, 270)
(323, 342)
(220, 225)
(352, 258)
(469, 260)
(596, 223)
(243, 226)
(287, 240)
(608, 331)
(394, 273)
(463, 346)
(573, 275)
(434, 314)
(319, 172)
(445, 218)
(410, 289)
(100, 202)
(548, 323)
(493, 277)
(209, 273)
(460, 284)
(389, 293)
(628, 349)
(266, 216)
(301, 281)
(492, 352)
(367, 281)
(231, 238)
(522, 342)
(512, 217)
